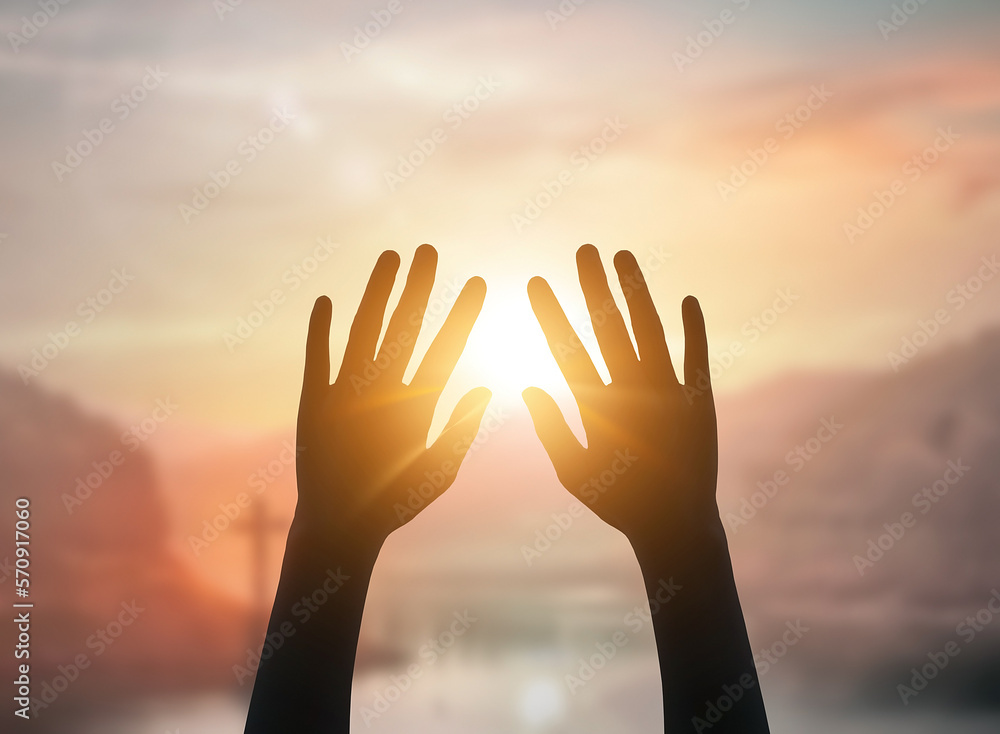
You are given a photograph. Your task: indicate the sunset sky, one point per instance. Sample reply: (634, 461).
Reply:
(179, 181)
(511, 96)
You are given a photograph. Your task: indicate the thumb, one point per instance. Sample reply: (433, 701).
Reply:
(457, 437)
(564, 451)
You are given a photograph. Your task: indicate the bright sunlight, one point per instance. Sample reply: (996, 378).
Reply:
(507, 349)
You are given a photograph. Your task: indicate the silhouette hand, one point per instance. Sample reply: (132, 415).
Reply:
(651, 461)
(362, 440)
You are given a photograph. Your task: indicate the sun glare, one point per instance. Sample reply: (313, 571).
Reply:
(507, 350)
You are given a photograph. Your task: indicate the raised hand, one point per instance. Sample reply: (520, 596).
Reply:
(362, 446)
(651, 461)
(362, 440)
(649, 470)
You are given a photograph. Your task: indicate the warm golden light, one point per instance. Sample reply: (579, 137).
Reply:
(507, 350)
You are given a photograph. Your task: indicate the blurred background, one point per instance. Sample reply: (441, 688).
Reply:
(180, 181)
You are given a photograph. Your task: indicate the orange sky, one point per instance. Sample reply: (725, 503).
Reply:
(507, 110)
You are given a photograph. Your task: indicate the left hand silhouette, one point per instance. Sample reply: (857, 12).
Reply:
(362, 440)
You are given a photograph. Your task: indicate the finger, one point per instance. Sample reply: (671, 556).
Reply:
(463, 424)
(565, 345)
(695, 344)
(609, 326)
(564, 451)
(404, 326)
(443, 353)
(449, 450)
(646, 325)
(368, 320)
(316, 375)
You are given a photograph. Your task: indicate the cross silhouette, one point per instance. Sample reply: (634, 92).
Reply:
(259, 524)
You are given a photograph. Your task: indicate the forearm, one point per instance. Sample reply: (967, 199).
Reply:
(304, 680)
(706, 664)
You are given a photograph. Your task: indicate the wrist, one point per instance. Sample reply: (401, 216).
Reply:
(323, 571)
(319, 544)
(690, 544)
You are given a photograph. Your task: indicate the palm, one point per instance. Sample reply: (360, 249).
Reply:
(650, 465)
(362, 440)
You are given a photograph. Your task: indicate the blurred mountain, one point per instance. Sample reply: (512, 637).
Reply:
(107, 587)
(852, 451)
(883, 538)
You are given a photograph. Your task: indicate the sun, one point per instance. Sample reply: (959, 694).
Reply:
(507, 351)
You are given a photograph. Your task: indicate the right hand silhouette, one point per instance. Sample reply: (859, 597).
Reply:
(651, 461)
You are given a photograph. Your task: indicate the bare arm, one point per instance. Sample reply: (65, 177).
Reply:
(664, 501)
(361, 445)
